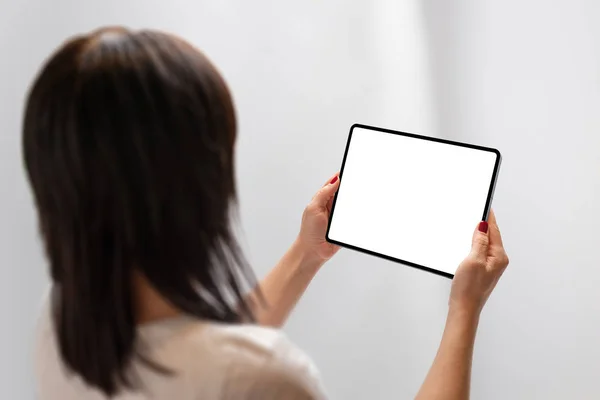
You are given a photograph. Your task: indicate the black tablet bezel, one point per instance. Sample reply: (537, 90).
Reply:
(415, 136)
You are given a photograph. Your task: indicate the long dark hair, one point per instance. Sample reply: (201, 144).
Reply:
(128, 142)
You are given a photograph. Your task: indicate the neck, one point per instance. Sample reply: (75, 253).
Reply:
(150, 306)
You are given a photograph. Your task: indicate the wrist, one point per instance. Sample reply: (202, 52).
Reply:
(306, 258)
(464, 313)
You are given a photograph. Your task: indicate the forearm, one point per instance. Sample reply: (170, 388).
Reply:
(284, 285)
(450, 375)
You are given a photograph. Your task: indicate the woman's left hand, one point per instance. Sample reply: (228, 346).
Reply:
(315, 220)
(283, 286)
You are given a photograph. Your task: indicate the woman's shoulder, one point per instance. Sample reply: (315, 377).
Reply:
(271, 347)
(255, 340)
(228, 344)
(209, 359)
(243, 357)
(266, 362)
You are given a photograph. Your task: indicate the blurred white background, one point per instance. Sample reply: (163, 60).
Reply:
(522, 76)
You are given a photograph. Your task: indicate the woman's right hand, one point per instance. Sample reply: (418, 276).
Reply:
(475, 278)
(478, 274)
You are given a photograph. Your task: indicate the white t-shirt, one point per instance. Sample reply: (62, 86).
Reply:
(211, 362)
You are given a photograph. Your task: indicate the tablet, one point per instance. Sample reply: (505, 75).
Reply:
(412, 199)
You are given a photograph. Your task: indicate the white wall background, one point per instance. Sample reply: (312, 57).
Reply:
(522, 76)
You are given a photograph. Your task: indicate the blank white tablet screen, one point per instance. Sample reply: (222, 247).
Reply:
(411, 199)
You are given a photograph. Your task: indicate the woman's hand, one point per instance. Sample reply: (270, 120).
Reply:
(284, 285)
(314, 223)
(476, 277)
(478, 274)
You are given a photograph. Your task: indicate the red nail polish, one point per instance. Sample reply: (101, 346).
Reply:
(483, 226)
(334, 180)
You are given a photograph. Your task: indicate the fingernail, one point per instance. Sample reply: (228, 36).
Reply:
(334, 180)
(483, 226)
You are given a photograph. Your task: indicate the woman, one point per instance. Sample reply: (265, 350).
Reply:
(129, 146)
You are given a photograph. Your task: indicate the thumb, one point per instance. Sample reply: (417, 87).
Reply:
(326, 192)
(481, 242)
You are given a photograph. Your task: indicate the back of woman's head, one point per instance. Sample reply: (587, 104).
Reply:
(128, 143)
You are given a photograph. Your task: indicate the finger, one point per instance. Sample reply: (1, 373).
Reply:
(481, 242)
(494, 231)
(328, 181)
(325, 194)
(491, 216)
(496, 246)
(330, 204)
